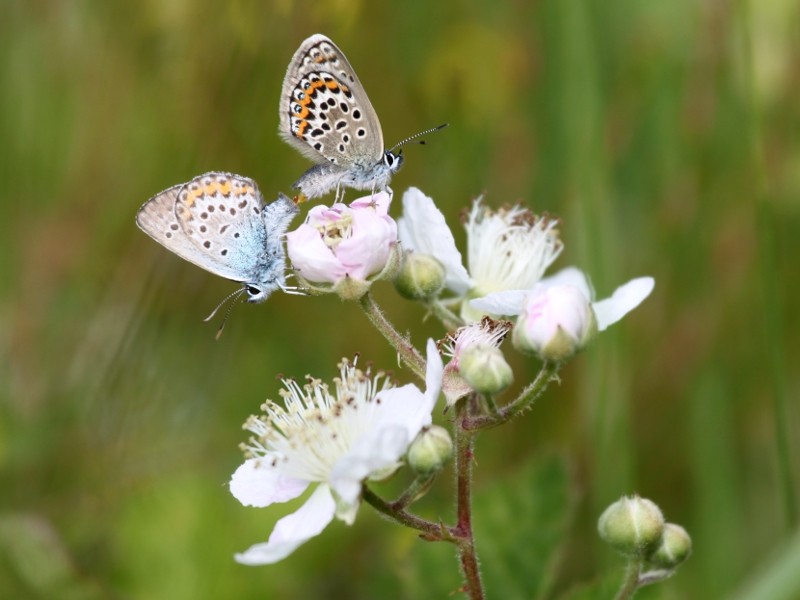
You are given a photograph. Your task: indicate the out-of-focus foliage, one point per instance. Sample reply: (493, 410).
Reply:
(665, 134)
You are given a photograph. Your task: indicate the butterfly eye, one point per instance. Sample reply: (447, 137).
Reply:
(253, 290)
(388, 158)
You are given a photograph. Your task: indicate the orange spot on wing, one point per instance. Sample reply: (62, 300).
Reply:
(243, 190)
(192, 196)
(301, 130)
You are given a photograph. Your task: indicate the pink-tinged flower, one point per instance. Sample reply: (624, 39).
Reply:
(345, 247)
(332, 438)
(562, 308)
(476, 358)
(555, 323)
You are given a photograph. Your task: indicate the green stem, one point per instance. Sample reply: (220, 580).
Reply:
(432, 531)
(631, 582)
(400, 343)
(464, 443)
(448, 318)
(416, 490)
(523, 402)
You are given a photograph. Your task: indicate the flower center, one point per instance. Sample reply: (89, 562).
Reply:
(315, 428)
(334, 232)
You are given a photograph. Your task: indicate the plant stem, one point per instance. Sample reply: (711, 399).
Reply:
(432, 531)
(399, 342)
(448, 318)
(631, 582)
(463, 529)
(417, 489)
(520, 404)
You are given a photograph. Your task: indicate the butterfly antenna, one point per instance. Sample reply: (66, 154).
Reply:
(225, 319)
(224, 300)
(418, 135)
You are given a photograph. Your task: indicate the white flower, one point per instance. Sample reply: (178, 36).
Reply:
(335, 440)
(508, 249)
(607, 311)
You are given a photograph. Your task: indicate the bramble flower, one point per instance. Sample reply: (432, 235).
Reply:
(507, 249)
(335, 439)
(555, 323)
(343, 249)
(472, 349)
(553, 309)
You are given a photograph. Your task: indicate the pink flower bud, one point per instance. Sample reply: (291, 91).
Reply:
(555, 323)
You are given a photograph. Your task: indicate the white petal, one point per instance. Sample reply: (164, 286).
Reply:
(293, 530)
(508, 303)
(422, 228)
(624, 299)
(377, 450)
(570, 276)
(403, 412)
(433, 376)
(258, 483)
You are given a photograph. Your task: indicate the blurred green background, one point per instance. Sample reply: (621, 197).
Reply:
(665, 134)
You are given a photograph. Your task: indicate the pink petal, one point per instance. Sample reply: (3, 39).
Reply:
(311, 257)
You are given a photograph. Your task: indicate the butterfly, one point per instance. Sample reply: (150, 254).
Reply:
(326, 115)
(219, 222)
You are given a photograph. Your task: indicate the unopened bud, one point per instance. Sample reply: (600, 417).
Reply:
(485, 368)
(675, 547)
(632, 526)
(431, 450)
(421, 276)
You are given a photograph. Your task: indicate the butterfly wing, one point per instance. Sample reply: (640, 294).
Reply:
(324, 111)
(223, 215)
(157, 219)
(219, 222)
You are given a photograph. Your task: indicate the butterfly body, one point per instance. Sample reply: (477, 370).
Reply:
(327, 116)
(219, 222)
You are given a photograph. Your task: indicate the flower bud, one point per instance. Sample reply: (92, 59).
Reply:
(420, 277)
(431, 450)
(675, 547)
(555, 323)
(632, 526)
(485, 368)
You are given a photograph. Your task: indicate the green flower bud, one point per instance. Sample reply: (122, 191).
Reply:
(420, 277)
(675, 547)
(485, 369)
(431, 450)
(632, 526)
